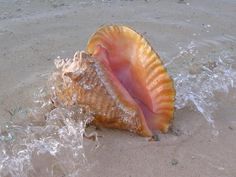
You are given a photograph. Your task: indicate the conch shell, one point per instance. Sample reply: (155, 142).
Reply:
(92, 83)
(123, 80)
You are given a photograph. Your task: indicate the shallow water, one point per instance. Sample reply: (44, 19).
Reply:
(197, 47)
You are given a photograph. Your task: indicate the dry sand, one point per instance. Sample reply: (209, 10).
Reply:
(33, 33)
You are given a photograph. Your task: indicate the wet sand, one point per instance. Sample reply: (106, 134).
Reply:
(33, 34)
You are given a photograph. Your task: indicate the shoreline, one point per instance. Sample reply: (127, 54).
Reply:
(34, 33)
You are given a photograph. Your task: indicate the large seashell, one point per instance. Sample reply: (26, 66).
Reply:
(136, 76)
(89, 81)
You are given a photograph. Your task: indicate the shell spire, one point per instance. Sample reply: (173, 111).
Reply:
(93, 85)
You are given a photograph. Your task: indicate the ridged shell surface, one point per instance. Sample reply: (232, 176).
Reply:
(147, 78)
(93, 85)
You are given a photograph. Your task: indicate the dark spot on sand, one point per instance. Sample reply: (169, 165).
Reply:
(154, 138)
(175, 131)
(211, 65)
(144, 33)
(58, 5)
(174, 162)
(181, 2)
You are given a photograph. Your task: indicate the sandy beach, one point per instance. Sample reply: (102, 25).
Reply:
(197, 42)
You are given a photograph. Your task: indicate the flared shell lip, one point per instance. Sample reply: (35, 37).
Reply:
(127, 27)
(134, 32)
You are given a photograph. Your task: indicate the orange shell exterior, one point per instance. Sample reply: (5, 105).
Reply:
(93, 86)
(156, 88)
